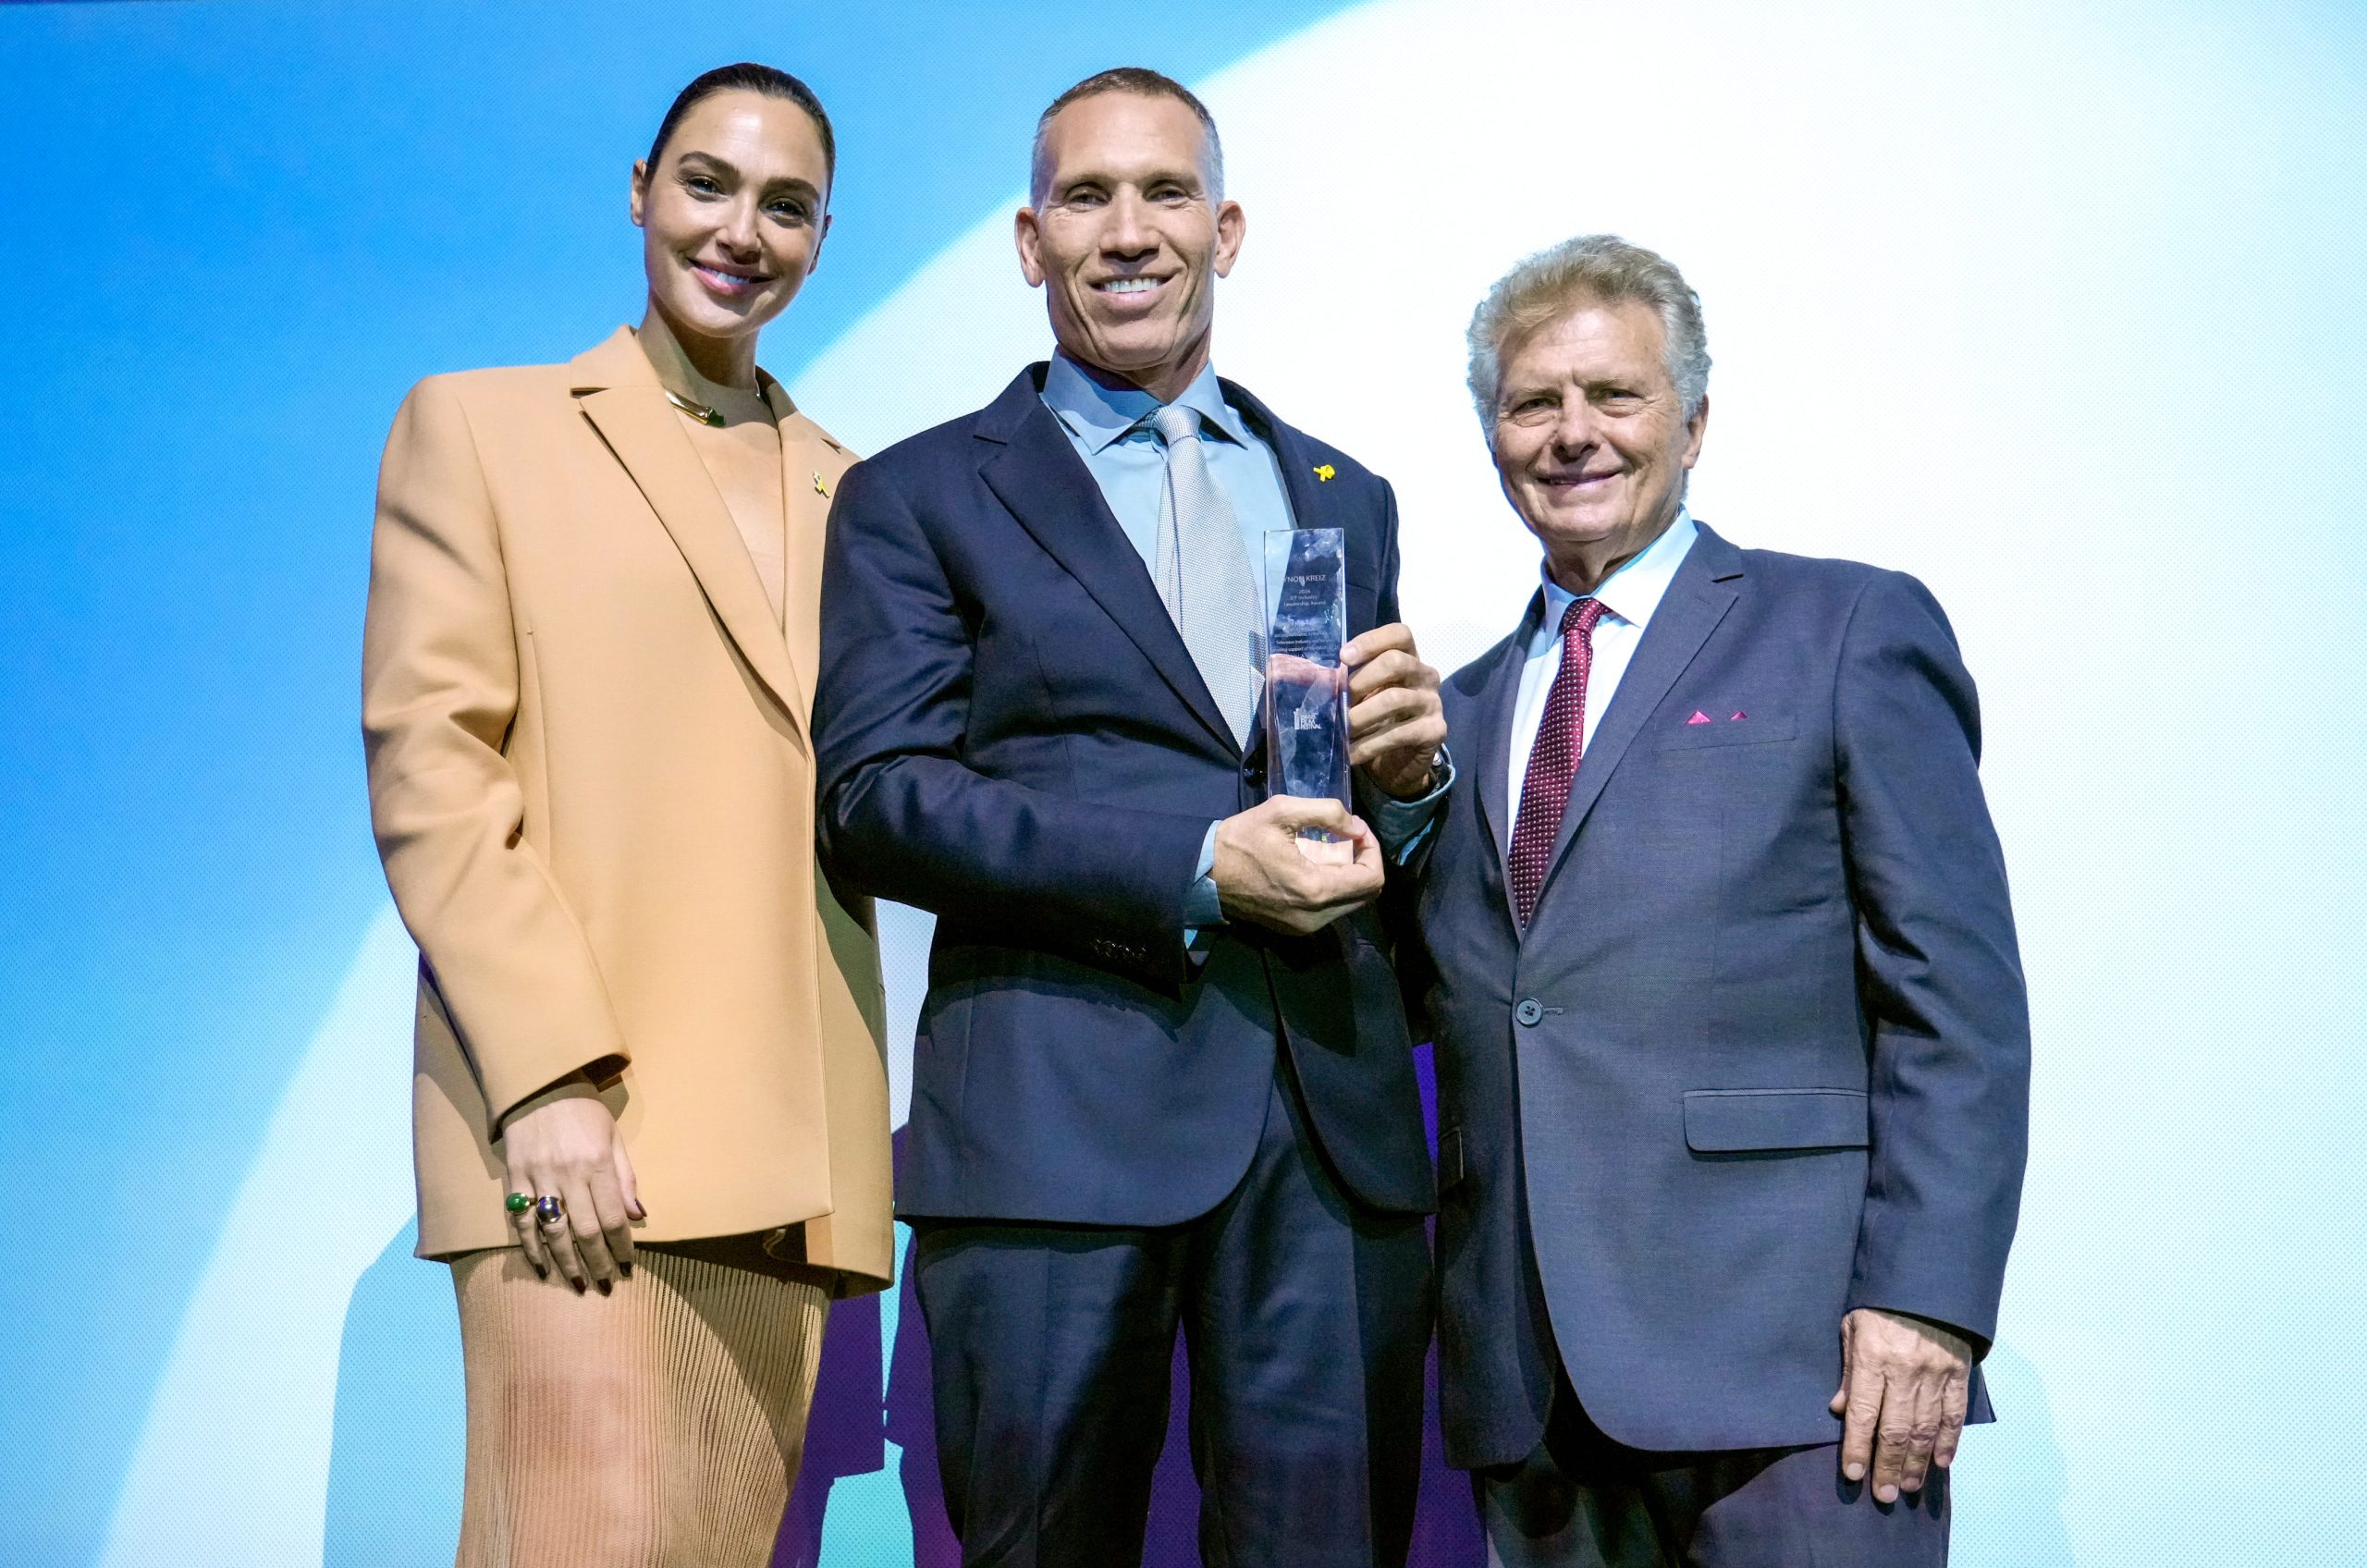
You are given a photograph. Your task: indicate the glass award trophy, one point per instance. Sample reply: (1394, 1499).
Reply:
(1306, 689)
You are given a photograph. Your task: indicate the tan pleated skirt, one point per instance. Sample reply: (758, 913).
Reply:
(659, 1426)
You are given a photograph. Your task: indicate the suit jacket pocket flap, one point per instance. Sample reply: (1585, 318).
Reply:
(1722, 1121)
(1449, 1159)
(1745, 725)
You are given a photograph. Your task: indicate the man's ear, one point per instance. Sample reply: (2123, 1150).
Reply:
(1695, 428)
(1027, 234)
(1232, 225)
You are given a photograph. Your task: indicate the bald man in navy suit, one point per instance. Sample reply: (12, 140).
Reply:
(1734, 1049)
(1163, 1081)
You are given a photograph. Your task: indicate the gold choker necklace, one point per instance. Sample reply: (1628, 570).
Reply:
(699, 411)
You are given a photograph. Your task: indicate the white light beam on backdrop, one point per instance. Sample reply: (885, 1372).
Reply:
(232, 1466)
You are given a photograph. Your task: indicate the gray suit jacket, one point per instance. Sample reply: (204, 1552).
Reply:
(1762, 1056)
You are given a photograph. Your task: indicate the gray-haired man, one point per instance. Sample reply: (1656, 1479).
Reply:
(1734, 1052)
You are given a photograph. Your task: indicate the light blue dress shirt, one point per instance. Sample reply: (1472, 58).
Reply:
(1110, 430)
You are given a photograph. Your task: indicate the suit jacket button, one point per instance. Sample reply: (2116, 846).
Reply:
(1529, 1010)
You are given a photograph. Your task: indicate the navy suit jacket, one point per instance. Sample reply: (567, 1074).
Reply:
(1011, 734)
(1763, 1053)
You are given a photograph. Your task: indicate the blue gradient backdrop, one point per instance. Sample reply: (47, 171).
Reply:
(235, 233)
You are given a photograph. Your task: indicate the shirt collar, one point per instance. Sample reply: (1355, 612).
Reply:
(1097, 416)
(1634, 591)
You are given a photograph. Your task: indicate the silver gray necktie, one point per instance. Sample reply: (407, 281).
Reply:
(1203, 573)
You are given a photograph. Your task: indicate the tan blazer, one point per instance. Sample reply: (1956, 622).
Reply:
(593, 793)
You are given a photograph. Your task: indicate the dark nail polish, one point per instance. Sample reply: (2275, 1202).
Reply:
(626, 1269)
(578, 1284)
(605, 1287)
(541, 1272)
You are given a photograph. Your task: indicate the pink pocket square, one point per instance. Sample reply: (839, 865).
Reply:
(1698, 718)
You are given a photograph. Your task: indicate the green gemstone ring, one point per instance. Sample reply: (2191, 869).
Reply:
(519, 1202)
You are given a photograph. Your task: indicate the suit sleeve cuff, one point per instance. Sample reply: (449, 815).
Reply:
(1202, 907)
(1404, 826)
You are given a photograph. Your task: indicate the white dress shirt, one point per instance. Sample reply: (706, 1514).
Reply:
(1629, 596)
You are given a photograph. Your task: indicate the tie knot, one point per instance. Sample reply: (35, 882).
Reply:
(1175, 422)
(1579, 620)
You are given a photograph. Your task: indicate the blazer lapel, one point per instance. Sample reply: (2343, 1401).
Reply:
(811, 465)
(1309, 505)
(1696, 601)
(1047, 487)
(622, 398)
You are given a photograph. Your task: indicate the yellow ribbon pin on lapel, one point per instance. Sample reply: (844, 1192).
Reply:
(1324, 471)
(820, 488)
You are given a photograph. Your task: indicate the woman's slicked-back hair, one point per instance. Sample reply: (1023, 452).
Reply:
(1590, 269)
(748, 77)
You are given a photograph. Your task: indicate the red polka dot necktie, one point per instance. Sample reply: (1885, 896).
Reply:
(1553, 760)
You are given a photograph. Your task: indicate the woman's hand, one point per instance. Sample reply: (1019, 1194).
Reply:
(563, 1143)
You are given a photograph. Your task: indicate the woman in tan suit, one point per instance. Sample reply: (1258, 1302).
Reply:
(650, 1098)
